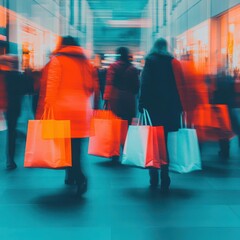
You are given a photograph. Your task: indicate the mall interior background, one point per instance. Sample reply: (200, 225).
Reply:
(208, 30)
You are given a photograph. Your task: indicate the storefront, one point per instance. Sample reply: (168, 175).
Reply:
(228, 32)
(35, 44)
(3, 30)
(21, 36)
(194, 44)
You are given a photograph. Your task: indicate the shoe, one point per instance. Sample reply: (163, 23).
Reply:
(223, 155)
(115, 159)
(11, 166)
(82, 188)
(165, 185)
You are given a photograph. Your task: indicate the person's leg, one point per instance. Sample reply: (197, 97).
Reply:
(74, 174)
(224, 145)
(11, 140)
(154, 177)
(76, 169)
(165, 179)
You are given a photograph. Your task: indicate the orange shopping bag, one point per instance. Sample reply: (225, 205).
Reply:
(108, 136)
(46, 153)
(212, 122)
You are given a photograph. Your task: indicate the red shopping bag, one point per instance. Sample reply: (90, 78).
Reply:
(107, 139)
(212, 122)
(123, 131)
(145, 147)
(46, 153)
(156, 148)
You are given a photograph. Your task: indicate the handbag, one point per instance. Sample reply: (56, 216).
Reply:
(183, 149)
(145, 145)
(47, 150)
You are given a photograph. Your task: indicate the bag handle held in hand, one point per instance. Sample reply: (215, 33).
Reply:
(47, 114)
(183, 120)
(144, 118)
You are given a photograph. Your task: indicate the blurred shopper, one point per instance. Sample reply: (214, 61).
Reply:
(69, 84)
(224, 94)
(13, 83)
(122, 86)
(193, 90)
(101, 72)
(159, 95)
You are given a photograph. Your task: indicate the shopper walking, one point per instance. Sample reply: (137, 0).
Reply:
(159, 95)
(14, 93)
(122, 86)
(70, 83)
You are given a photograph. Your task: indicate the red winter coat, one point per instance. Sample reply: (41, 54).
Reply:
(69, 83)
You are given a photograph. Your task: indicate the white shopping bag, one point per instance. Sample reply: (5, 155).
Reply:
(3, 125)
(135, 147)
(183, 150)
(144, 146)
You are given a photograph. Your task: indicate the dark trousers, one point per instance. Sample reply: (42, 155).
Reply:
(154, 173)
(75, 172)
(11, 118)
(224, 145)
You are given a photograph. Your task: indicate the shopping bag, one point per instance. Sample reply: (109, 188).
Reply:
(46, 153)
(144, 146)
(183, 150)
(123, 131)
(212, 122)
(56, 129)
(52, 128)
(107, 138)
(3, 125)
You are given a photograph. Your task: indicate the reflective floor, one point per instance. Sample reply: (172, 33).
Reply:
(35, 203)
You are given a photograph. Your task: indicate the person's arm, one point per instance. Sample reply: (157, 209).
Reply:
(145, 88)
(109, 82)
(96, 88)
(135, 83)
(53, 82)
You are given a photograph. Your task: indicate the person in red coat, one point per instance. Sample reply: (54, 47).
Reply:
(68, 84)
(122, 86)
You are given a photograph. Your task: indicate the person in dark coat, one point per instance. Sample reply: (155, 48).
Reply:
(122, 86)
(13, 83)
(159, 96)
(224, 94)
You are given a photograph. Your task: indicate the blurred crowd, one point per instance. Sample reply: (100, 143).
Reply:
(71, 87)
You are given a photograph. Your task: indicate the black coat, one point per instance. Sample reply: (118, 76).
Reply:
(159, 94)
